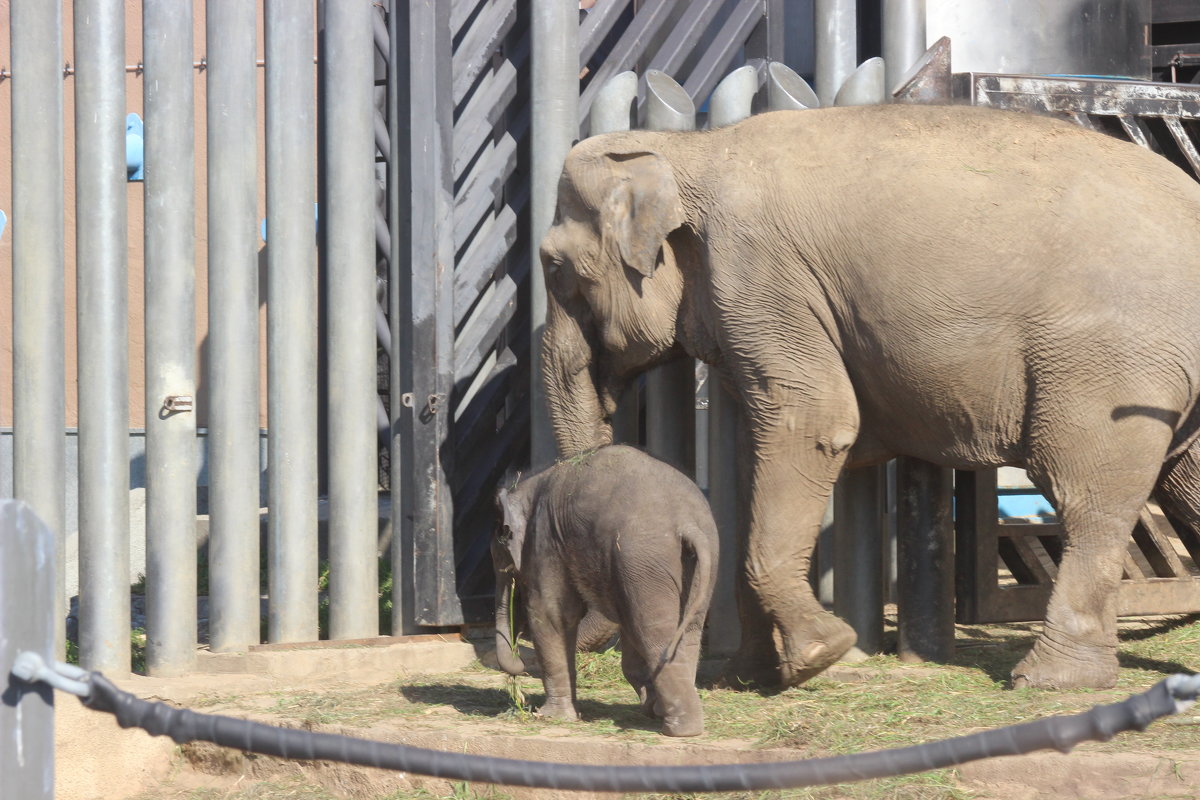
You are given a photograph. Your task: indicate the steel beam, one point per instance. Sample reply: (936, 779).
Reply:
(233, 337)
(903, 39)
(349, 75)
(555, 58)
(836, 45)
(39, 391)
(291, 322)
(170, 337)
(103, 310)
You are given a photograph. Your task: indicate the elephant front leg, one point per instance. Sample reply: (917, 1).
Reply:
(796, 461)
(553, 622)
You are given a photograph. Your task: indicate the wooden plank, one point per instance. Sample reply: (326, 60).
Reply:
(975, 550)
(684, 37)
(477, 47)
(599, 22)
(477, 122)
(482, 188)
(632, 45)
(478, 337)
(422, 197)
(488, 249)
(1157, 547)
(729, 40)
(1166, 11)
(461, 11)
(1034, 556)
(1158, 596)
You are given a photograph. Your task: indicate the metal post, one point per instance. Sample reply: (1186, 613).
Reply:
(170, 338)
(103, 310)
(864, 87)
(858, 555)
(28, 592)
(349, 152)
(233, 423)
(614, 109)
(731, 101)
(925, 556)
(555, 61)
(39, 392)
(291, 322)
(903, 38)
(670, 388)
(836, 45)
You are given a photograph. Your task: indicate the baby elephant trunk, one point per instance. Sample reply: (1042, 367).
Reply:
(506, 642)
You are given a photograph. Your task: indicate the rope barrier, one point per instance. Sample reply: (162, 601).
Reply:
(1169, 696)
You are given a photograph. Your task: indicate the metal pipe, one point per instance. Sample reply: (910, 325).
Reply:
(670, 388)
(858, 555)
(28, 588)
(349, 67)
(903, 39)
(233, 337)
(925, 561)
(786, 89)
(615, 109)
(170, 338)
(555, 64)
(836, 45)
(291, 328)
(102, 313)
(39, 392)
(864, 87)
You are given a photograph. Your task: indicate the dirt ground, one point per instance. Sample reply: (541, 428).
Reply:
(873, 705)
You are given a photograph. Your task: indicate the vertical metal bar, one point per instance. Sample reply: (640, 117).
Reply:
(291, 316)
(615, 109)
(731, 101)
(233, 423)
(349, 66)
(39, 392)
(170, 337)
(28, 588)
(925, 561)
(422, 299)
(836, 45)
(102, 308)
(671, 388)
(903, 39)
(555, 62)
(858, 555)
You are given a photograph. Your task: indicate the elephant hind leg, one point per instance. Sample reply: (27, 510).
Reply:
(1100, 484)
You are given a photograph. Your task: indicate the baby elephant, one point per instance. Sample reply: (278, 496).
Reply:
(622, 534)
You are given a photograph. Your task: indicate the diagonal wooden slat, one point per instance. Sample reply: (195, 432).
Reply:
(482, 187)
(1135, 129)
(684, 37)
(477, 47)
(488, 248)
(461, 11)
(711, 67)
(631, 46)
(478, 337)
(1186, 145)
(597, 25)
(477, 122)
(1157, 548)
(1038, 563)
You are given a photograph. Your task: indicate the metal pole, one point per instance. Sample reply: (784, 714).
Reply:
(613, 110)
(349, 64)
(903, 38)
(925, 556)
(233, 423)
(864, 87)
(836, 45)
(39, 393)
(291, 318)
(731, 101)
(170, 337)
(28, 588)
(103, 311)
(555, 60)
(858, 555)
(670, 388)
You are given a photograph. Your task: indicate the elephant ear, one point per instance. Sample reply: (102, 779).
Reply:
(512, 521)
(641, 209)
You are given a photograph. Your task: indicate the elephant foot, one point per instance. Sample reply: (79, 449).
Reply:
(558, 709)
(818, 644)
(683, 725)
(1054, 663)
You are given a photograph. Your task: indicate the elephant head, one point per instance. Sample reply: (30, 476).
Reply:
(507, 543)
(614, 289)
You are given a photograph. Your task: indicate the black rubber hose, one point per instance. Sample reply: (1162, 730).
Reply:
(1060, 733)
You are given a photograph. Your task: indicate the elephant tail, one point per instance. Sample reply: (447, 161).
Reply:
(704, 576)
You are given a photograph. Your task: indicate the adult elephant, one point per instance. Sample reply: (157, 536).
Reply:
(966, 286)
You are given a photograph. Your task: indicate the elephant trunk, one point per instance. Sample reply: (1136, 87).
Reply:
(569, 368)
(506, 645)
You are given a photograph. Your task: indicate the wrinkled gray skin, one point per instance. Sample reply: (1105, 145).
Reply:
(630, 537)
(967, 286)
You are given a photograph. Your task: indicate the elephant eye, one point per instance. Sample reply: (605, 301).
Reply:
(554, 266)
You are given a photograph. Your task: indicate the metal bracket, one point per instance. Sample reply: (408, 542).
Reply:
(174, 403)
(434, 404)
